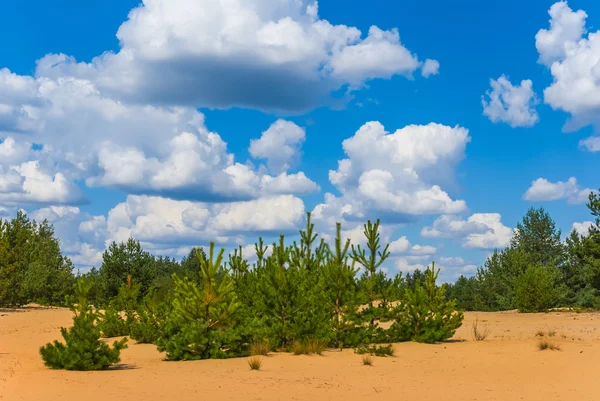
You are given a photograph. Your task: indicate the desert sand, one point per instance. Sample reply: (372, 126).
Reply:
(506, 366)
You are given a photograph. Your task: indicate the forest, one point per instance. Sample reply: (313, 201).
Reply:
(301, 297)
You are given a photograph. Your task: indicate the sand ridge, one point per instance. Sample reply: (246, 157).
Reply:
(507, 366)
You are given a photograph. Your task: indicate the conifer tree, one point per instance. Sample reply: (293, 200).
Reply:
(201, 323)
(426, 315)
(339, 286)
(82, 349)
(371, 261)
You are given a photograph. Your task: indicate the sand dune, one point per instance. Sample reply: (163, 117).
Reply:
(507, 366)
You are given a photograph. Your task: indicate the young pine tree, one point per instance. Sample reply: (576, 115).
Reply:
(340, 287)
(426, 316)
(82, 349)
(202, 320)
(371, 261)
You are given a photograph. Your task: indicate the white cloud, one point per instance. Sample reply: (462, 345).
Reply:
(513, 105)
(573, 62)
(566, 28)
(139, 149)
(591, 144)
(544, 190)
(430, 67)
(213, 54)
(395, 175)
(582, 228)
(480, 230)
(280, 145)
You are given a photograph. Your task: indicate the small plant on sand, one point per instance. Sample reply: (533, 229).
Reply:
(309, 346)
(367, 360)
(255, 362)
(551, 333)
(83, 349)
(547, 345)
(480, 335)
(377, 350)
(540, 333)
(260, 347)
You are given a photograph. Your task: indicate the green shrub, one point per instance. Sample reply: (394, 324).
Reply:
(112, 324)
(536, 290)
(425, 315)
(82, 349)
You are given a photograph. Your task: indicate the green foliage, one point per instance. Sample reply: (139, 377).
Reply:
(201, 322)
(120, 314)
(82, 349)
(537, 290)
(32, 268)
(426, 315)
(373, 260)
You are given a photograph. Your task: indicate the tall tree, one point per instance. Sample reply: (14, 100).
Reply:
(374, 259)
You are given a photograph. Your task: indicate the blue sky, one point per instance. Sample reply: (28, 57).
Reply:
(112, 113)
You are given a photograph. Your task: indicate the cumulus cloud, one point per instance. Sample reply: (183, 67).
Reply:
(29, 177)
(512, 104)
(582, 228)
(252, 53)
(169, 226)
(480, 230)
(139, 149)
(280, 145)
(395, 175)
(571, 54)
(544, 190)
(430, 67)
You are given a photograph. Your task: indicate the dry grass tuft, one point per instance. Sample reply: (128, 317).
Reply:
(255, 362)
(547, 345)
(260, 347)
(308, 347)
(480, 335)
(367, 360)
(540, 333)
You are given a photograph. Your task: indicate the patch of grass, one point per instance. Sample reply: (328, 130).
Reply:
(480, 335)
(547, 345)
(255, 362)
(260, 347)
(540, 333)
(308, 347)
(551, 333)
(367, 360)
(377, 350)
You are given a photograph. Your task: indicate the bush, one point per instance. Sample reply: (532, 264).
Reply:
(425, 315)
(83, 349)
(536, 290)
(112, 324)
(150, 318)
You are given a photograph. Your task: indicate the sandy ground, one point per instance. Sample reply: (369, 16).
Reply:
(507, 366)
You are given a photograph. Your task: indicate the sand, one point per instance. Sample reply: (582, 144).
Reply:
(506, 366)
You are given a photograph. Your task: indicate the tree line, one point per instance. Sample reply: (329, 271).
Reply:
(301, 296)
(538, 271)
